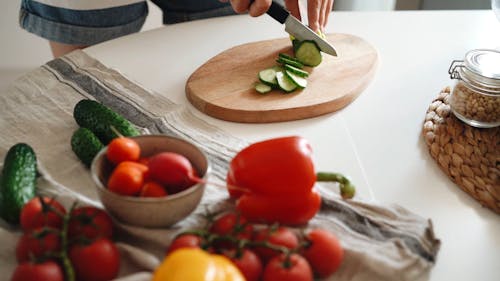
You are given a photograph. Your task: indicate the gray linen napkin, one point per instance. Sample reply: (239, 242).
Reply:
(381, 242)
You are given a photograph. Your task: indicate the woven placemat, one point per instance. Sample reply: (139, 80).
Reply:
(469, 156)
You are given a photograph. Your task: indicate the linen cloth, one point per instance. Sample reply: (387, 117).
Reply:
(381, 242)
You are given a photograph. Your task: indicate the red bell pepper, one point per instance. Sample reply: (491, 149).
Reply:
(273, 181)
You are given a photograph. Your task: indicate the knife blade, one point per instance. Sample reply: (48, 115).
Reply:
(297, 29)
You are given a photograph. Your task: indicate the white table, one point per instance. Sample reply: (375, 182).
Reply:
(376, 140)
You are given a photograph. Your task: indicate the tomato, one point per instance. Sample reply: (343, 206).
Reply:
(185, 241)
(34, 214)
(153, 189)
(281, 236)
(247, 262)
(295, 269)
(45, 271)
(172, 170)
(123, 149)
(127, 178)
(274, 167)
(98, 261)
(90, 222)
(324, 253)
(232, 224)
(38, 243)
(291, 210)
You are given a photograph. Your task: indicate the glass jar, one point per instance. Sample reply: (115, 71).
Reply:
(475, 98)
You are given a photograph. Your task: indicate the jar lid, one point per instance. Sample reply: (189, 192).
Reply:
(484, 62)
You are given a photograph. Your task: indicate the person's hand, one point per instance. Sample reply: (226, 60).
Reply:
(317, 10)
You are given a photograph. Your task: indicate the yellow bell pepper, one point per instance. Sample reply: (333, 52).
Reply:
(196, 265)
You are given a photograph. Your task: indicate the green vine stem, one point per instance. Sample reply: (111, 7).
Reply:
(347, 189)
(68, 267)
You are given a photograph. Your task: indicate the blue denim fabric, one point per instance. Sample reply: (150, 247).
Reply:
(76, 27)
(89, 27)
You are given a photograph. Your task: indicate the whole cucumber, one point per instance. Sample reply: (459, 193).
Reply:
(85, 145)
(99, 118)
(18, 181)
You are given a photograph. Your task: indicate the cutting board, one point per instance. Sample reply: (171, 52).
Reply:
(223, 87)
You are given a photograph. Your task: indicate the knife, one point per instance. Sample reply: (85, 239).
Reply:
(297, 29)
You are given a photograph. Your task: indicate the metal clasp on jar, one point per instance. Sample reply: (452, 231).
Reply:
(454, 74)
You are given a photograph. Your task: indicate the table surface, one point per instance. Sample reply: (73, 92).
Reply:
(377, 139)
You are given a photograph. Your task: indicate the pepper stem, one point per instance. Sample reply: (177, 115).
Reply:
(347, 189)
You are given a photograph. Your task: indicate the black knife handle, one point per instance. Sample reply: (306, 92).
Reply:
(278, 12)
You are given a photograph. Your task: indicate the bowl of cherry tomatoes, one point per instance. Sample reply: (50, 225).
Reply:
(150, 180)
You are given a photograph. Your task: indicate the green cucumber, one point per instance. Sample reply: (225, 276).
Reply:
(296, 71)
(300, 82)
(285, 61)
(308, 53)
(268, 76)
(285, 83)
(18, 181)
(262, 88)
(85, 145)
(99, 118)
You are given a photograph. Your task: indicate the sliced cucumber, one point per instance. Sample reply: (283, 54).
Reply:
(308, 53)
(296, 71)
(300, 82)
(262, 88)
(285, 83)
(292, 62)
(268, 76)
(286, 56)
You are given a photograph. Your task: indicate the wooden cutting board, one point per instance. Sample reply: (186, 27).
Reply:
(223, 87)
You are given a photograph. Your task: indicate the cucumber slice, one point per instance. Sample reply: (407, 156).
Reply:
(285, 83)
(308, 53)
(295, 63)
(300, 82)
(262, 88)
(288, 57)
(296, 71)
(268, 76)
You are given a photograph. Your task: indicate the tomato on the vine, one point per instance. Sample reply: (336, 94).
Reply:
(38, 243)
(232, 224)
(36, 214)
(90, 222)
(185, 241)
(247, 262)
(45, 271)
(296, 268)
(324, 252)
(98, 261)
(281, 236)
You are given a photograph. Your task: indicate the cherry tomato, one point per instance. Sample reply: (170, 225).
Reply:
(281, 236)
(232, 224)
(291, 210)
(153, 189)
(247, 262)
(324, 253)
(295, 269)
(123, 149)
(34, 214)
(91, 223)
(185, 241)
(98, 261)
(38, 243)
(172, 170)
(127, 178)
(45, 271)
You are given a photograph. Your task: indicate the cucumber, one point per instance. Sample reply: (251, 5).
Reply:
(98, 118)
(285, 83)
(285, 61)
(288, 57)
(308, 53)
(18, 181)
(300, 82)
(262, 88)
(85, 145)
(296, 71)
(268, 76)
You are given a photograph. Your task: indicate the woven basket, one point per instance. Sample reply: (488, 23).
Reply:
(469, 156)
